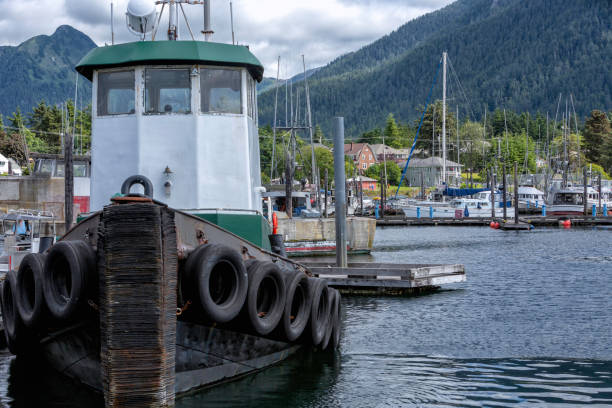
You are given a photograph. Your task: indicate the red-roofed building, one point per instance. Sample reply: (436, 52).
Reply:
(362, 155)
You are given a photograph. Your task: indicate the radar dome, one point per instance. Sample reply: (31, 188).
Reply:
(141, 16)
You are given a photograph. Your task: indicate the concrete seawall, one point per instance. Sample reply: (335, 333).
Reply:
(38, 192)
(360, 231)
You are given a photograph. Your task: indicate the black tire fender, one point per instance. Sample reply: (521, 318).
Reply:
(265, 303)
(14, 330)
(297, 306)
(319, 310)
(331, 317)
(215, 275)
(29, 293)
(335, 342)
(69, 278)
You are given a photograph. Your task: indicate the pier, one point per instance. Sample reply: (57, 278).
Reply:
(536, 221)
(386, 278)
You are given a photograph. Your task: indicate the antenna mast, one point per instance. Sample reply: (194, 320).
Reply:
(112, 23)
(232, 23)
(208, 32)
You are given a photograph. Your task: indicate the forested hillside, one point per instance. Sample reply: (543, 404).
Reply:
(42, 68)
(512, 54)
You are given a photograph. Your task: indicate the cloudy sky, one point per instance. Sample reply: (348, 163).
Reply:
(320, 29)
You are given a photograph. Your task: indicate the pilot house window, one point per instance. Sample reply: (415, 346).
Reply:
(221, 90)
(167, 91)
(116, 93)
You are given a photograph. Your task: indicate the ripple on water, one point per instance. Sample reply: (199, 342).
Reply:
(530, 327)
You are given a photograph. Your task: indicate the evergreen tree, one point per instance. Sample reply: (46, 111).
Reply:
(597, 136)
(16, 120)
(392, 133)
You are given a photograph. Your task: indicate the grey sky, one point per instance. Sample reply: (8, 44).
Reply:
(320, 29)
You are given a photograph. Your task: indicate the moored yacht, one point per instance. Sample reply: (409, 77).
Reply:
(530, 197)
(570, 200)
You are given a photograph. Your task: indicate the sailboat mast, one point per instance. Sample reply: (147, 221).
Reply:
(458, 134)
(313, 178)
(444, 117)
(274, 126)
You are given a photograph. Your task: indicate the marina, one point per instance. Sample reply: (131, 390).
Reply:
(403, 216)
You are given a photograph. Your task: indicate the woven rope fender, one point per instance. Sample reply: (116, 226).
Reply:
(137, 266)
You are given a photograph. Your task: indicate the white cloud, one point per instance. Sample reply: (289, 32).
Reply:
(320, 29)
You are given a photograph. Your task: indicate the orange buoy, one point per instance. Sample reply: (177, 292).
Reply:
(567, 224)
(274, 224)
(492, 224)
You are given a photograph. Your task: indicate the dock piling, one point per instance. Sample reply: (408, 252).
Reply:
(492, 194)
(339, 178)
(504, 187)
(68, 181)
(585, 196)
(516, 198)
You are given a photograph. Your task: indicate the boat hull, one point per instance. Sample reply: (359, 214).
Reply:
(565, 210)
(450, 212)
(205, 355)
(132, 333)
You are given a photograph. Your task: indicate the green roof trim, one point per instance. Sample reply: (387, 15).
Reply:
(169, 52)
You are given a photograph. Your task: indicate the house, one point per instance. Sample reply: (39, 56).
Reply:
(367, 183)
(361, 154)
(321, 145)
(388, 153)
(431, 170)
(9, 166)
(4, 164)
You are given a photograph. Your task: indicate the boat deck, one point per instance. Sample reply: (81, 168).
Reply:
(386, 278)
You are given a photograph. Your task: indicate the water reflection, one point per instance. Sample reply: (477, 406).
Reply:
(531, 326)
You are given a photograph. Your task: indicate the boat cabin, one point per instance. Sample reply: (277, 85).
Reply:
(184, 115)
(23, 232)
(574, 196)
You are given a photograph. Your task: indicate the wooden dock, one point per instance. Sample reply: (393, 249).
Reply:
(386, 278)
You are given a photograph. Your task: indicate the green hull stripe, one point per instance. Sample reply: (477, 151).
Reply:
(252, 227)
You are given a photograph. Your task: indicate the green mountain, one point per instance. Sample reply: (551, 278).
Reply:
(43, 68)
(513, 54)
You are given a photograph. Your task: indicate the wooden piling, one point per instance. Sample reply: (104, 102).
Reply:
(382, 193)
(599, 209)
(585, 194)
(326, 190)
(516, 198)
(361, 196)
(492, 194)
(288, 186)
(504, 187)
(68, 182)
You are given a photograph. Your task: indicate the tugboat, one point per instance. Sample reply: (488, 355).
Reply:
(177, 283)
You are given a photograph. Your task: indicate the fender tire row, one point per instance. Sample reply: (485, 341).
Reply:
(281, 304)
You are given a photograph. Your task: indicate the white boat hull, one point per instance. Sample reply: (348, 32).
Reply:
(450, 212)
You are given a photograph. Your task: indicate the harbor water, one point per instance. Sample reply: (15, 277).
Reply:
(532, 326)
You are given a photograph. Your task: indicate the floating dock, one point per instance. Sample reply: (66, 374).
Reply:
(536, 221)
(386, 278)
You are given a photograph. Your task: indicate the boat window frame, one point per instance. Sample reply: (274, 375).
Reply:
(194, 105)
(94, 111)
(243, 90)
